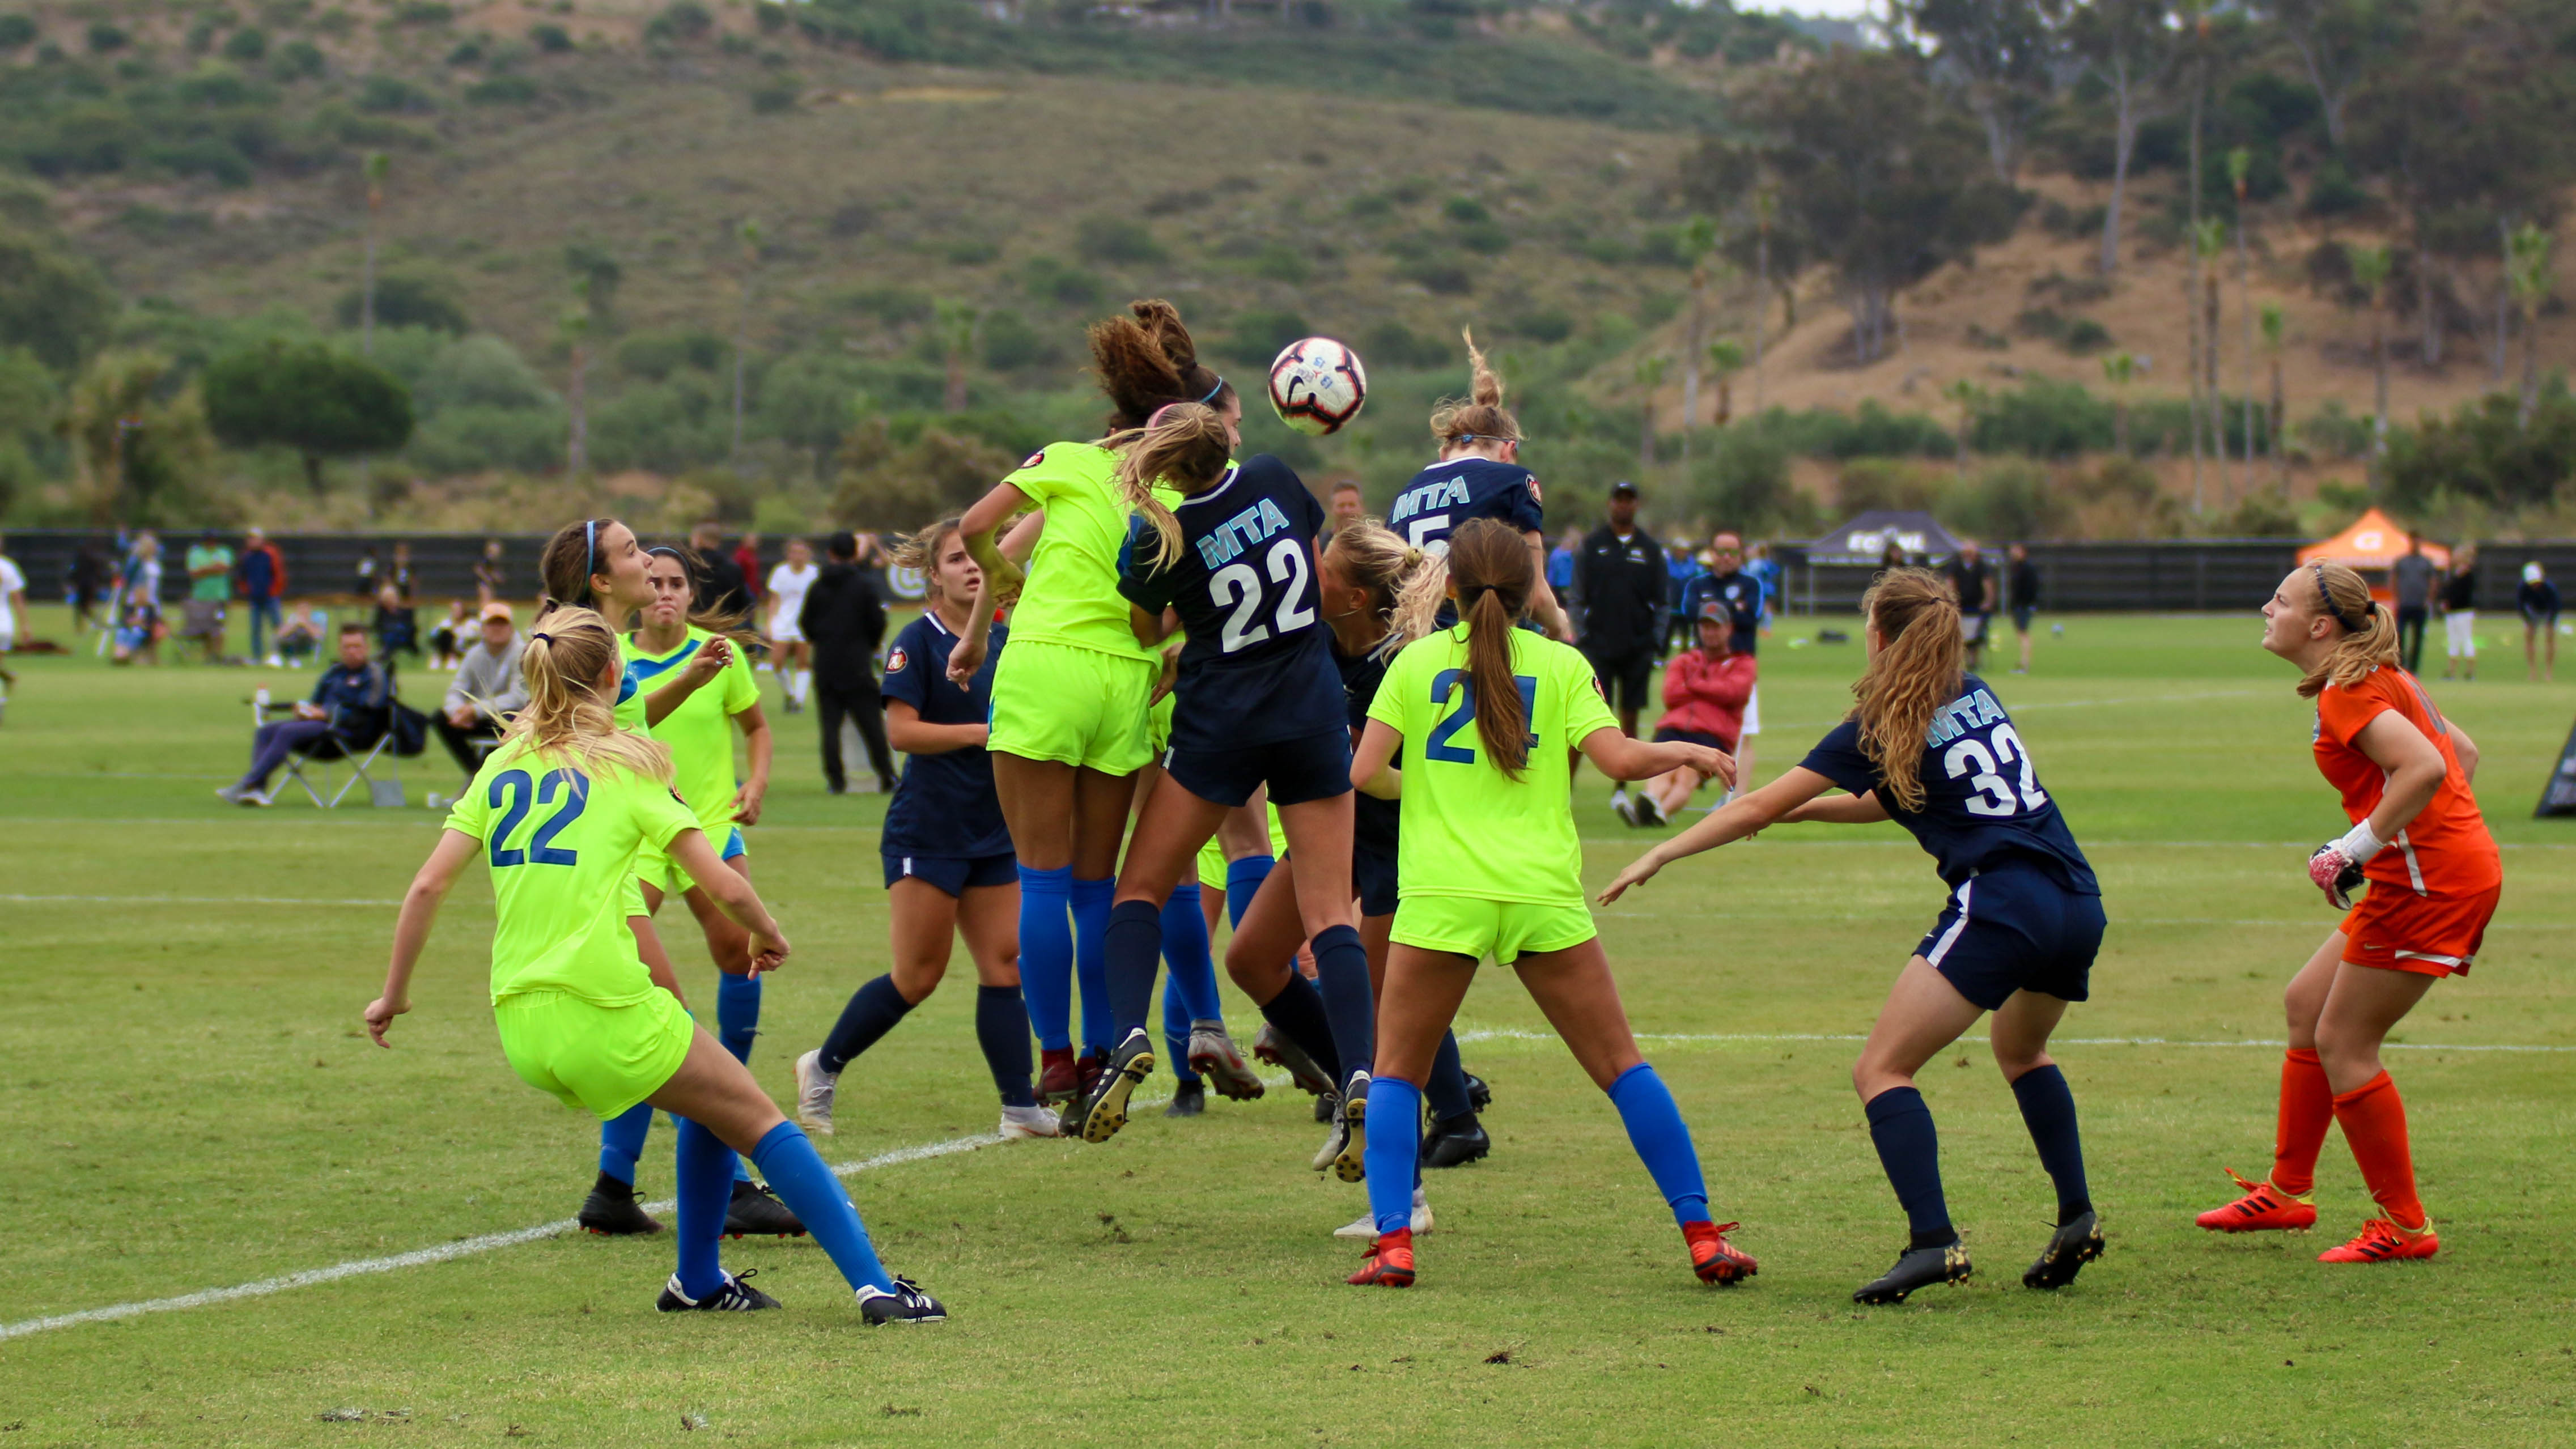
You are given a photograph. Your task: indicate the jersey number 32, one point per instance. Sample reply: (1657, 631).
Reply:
(1984, 771)
(1237, 587)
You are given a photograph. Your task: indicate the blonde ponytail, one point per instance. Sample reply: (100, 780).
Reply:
(1405, 584)
(1185, 445)
(2369, 637)
(1480, 417)
(564, 717)
(1915, 671)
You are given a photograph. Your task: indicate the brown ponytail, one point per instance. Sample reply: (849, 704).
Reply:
(1188, 448)
(1480, 417)
(2345, 596)
(1405, 584)
(920, 551)
(1915, 671)
(564, 716)
(569, 561)
(1490, 567)
(1147, 360)
(693, 565)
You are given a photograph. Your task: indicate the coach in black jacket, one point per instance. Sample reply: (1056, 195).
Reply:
(1621, 578)
(846, 623)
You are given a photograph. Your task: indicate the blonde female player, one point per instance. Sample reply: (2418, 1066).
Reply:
(1479, 475)
(784, 600)
(2434, 874)
(1486, 715)
(1927, 746)
(558, 814)
(1069, 725)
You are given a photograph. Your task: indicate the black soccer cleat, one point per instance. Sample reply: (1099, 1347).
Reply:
(1275, 1047)
(1480, 1096)
(1189, 1099)
(736, 1296)
(2069, 1248)
(906, 1304)
(1350, 1164)
(616, 1210)
(1328, 1106)
(1455, 1142)
(1917, 1268)
(1103, 1110)
(756, 1212)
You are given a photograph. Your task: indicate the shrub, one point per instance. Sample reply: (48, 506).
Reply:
(680, 20)
(502, 90)
(1871, 432)
(405, 300)
(1055, 280)
(1010, 343)
(2332, 432)
(2484, 452)
(1117, 240)
(1392, 344)
(1889, 483)
(2008, 499)
(553, 39)
(16, 32)
(298, 60)
(2043, 419)
(1256, 336)
(246, 44)
(383, 94)
(656, 355)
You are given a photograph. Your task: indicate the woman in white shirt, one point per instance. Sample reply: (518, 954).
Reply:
(787, 585)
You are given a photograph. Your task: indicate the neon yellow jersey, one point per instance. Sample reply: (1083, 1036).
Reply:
(561, 841)
(1071, 596)
(1469, 830)
(700, 730)
(628, 712)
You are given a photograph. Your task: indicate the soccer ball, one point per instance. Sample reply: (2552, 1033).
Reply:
(1317, 385)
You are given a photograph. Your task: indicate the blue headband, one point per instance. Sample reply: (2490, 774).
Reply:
(1212, 392)
(589, 550)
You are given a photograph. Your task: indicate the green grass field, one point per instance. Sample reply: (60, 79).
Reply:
(186, 1103)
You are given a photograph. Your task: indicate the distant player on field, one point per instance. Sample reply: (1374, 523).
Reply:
(1479, 475)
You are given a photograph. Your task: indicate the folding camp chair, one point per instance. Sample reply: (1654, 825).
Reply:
(365, 762)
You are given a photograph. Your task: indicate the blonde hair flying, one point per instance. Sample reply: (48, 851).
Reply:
(1185, 446)
(565, 718)
(1916, 670)
(1406, 585)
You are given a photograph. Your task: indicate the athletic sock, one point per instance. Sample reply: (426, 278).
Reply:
(1002, 1030)
(1046, 954)
(1394, 1147)
(737, 1013)
(2374, 1126)
(1091, 901)
(1342, 976)
(811, 1192)
(2307, 1109)
(1176, 1027)
(1447, 1084)
(1131, 944)
(706, 1169)
(1189, 993)
(804, 685)
(621, 1141)
(1243, 880)
(872, 1012)
(1663, 1142)
(1900, 1126)
(1298, 1012)
(2048, 1110)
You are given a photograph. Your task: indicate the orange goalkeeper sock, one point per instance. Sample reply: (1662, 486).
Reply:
(2307, 1109)
(2374, 1124)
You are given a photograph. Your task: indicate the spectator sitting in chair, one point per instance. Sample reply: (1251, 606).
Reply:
(351, 701)
(300, 637)
(487, 690)
(397, 625)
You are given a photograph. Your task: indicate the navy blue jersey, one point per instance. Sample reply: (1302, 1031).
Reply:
(945, 805)
(1445, 495)
(1981, 797)
(1256, 669)
(1375, 820)
(1740, 592)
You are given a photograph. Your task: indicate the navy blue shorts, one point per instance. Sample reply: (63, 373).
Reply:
(1316, 767)
(2015, 929)
(1696, 737)
(1373, 880)
(953, 874)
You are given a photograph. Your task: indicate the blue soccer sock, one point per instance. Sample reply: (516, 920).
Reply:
(1394, 1147)
(1002, 1030)
(1189, 992)
(706, 1168)
(1298, 1012)
(787, 1158)
(1342, 976)
(1176, 1029)
(1663, 1142)
(1900, 1126)
(1243, 880)
(737, 1013)
(1046, 954)
(1447, 1084)
(1091, 901)
(1133, 942)
(2048, 1110)
(872, 1011)
(621, 1141)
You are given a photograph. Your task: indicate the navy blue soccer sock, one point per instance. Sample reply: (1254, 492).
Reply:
(1100, 1020)
(1189, 993)
(621, 1141)
(1663, 1142)
(1243, 880)
(1910, 1151)
(1394, 1149)
(1447, 1085)
(1046, 954)
(1132, 943)
(1002, 1030)
(706, 1171)
(737, 1013)
(1298, 1012)
(872, 1011)
(1342, 976)
(787, 1158)
(2048, 1110)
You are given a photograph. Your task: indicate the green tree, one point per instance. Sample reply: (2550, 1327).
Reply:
(375, 166)
(136, 444)
(953, 323)
(2527, 275)
(2276, 325)
(751, 238)
(321, 403)
(1650, 379)
(2002, 55)
(2129, 45)
(2119, 369)
(2370, 272)
(585, 325)
(2337, 42)
(53, 301)
(1970, 399)
(1725, 359)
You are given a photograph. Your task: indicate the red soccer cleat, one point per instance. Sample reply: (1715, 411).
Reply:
(2263, 1208)
(2382, 1241)
(1715, 1259)
(1389, 1263)
(1058, 1081)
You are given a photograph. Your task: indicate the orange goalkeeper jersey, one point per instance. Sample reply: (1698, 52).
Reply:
(2446, 850)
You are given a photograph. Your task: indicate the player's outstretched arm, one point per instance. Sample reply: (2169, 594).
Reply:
(906, 731)
(733, 895)
(702, 667)
(1861, 809)
(1372, 764)
(411, 929)
(1622, 757)
(996, 576)
(1748, 814)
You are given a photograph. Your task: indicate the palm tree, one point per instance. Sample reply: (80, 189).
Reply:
(1971, 399)
(375, 167)
(954, 323)
(1650, 376)
(1766, 203)
(750, 234)
(2209, 239)
(2120, 369)
(2370, 270)
(575, 326)
(2240, 164)
(2527, 273)
(2275, 325)
(1698, 239)
(1725, 359)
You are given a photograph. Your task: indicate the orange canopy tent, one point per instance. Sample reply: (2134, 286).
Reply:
(2370, 545)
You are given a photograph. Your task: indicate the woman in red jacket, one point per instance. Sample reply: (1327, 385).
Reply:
(1704, 694)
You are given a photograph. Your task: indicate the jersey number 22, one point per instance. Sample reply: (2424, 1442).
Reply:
(540, 849)
(1238, 588)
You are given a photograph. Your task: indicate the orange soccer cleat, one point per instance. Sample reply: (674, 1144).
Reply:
(1389, 1263)
(2382, 1241)
(1715, 1259)
(2263, 1208)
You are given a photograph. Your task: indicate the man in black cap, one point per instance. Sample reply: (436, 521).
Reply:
(846, 622)
(1620, 577)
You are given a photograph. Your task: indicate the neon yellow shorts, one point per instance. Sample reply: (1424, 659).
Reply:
(1158, 724)
(658, 870)
(600, 1059)
(1212, 860)
(1504, 930)
(1073, 706)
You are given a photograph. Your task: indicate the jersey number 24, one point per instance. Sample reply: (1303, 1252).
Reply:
(1984, 769)
(540, 849)
(1238, 588)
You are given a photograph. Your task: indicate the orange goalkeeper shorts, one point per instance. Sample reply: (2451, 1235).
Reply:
(2397, 930)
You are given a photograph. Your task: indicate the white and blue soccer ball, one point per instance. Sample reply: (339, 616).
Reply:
(1317, 385)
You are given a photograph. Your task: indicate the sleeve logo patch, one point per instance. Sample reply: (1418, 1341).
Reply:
(1034, 459)
(896, 661)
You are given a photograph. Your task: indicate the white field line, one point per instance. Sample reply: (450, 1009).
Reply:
(24, 900)
(1901, 916)
(1701, 1038)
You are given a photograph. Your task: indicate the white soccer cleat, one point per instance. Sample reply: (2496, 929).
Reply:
(1366, 1227)
(814, 1088)
(1020, 1123)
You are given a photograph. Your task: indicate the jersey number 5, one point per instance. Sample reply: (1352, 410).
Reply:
(1421, 526)
(1451, 684)
(1238, 588)
(1994, 794)
(520, 789)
